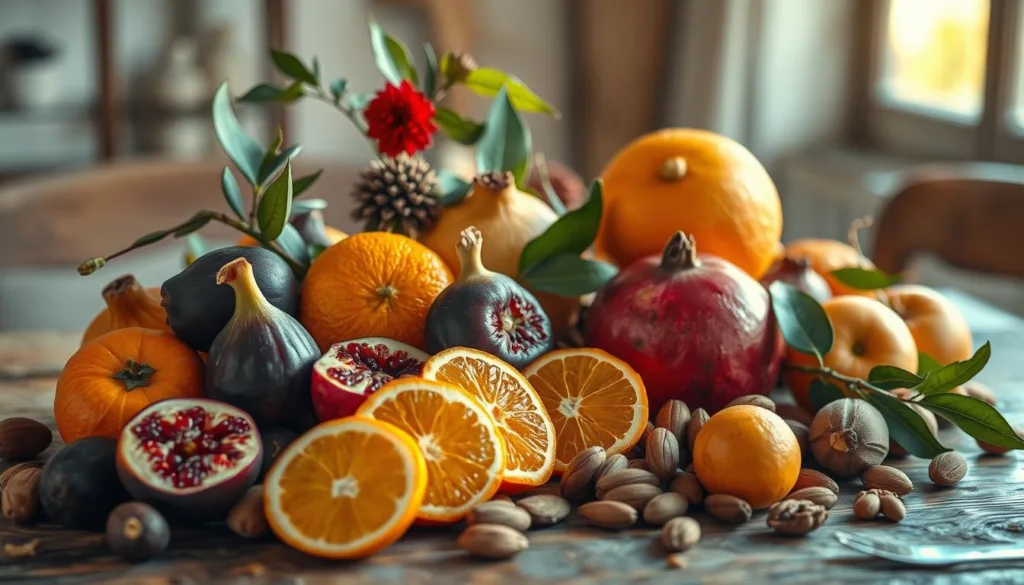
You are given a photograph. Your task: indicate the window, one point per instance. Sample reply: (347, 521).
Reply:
(946, 78)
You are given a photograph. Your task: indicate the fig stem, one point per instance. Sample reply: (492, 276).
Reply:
(680, 253)
(238, 275)
(470, 246)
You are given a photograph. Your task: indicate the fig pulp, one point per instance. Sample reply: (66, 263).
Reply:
(262, 360)
(79, 485)
(487, 311)
(192, 456)
(197, 309)
(695, 327)
(350, 371)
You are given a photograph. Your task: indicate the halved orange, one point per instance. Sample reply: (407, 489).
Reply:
(593, 399)
(465, 453)
(345, 489)
(515, 406)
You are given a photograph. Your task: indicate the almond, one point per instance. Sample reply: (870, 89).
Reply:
(893, 508)
(674, 416)
(636, 494)
(664, 507)
(753, 400)
(815, 478)
(580, 475)
(947, 468)
(611, 464)
(609, 514)
(884, 477)
(545, 509)
(687, 484)
(679, 534)
(625, 477)
(498, 512)
(663, 453)
(867, 505)
(697, 420)
(23, 438)
(247, 518)
(492, 541)
(821, 496)
(728, 509)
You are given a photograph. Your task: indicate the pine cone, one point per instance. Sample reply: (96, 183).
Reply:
(397, 195)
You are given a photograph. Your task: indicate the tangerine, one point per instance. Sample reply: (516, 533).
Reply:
(825, 256)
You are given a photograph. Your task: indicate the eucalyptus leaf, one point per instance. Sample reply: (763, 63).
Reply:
(300, 185)
(906, 426)
(292, 243)
(232, 192)
(487, 81)
(338, 89)
(261, 93)
(306, 205)
(891, 377)
(151, 238)
(195, 224)
(572, 233)
(926, 364)
(569, 275)
(290, 93)
(950, 376)
(461, 130)
(975, 417)
(239, 146)
(275, 205)
(505, 143)
(865, 278)
(430, 75)
(805, 325)
(275, 164)
(291, 66)
(272, 151)
(822, 392)
(390, 56)
(451, 189)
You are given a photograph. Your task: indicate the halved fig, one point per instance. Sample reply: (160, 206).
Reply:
(351, 370)
(194, 457)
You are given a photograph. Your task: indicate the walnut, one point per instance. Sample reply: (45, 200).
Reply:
(796, 517)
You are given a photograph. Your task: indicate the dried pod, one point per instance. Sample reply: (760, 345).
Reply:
(821, 496)
(20, 498)
(580, 475)
(23, 438)
(848, 436)
(867, 505)
(545, 509)
(636, 495)
(883, 477)
(664, 507)
(753, 400)
(674, 416)
(639, 464)
(796, 517)
(611, 464)
(680, 534)
(492, 541)
(663, 453)
(815, 478)
(996, 449)
(247, 518)
(893, 508)
(697, 420)
(728, 509)
(687, 484)
(803, 435)
(625, 477)
(947, 468)
(500, 512)
(609, 514)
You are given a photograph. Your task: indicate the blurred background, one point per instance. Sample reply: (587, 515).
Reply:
(105, 127)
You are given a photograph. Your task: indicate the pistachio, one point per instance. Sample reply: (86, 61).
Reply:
(247, 518)
(609, 514)
(19, 500)
(580, 475)
(492, 541)
(815, 478)
(545, 509)
(892, 507)
(636, 494)
(796, 517)
(753, 400)
(947, 468)
(888, 478)
(23, 438)
(687, 484)
(663, 453)
(625, 477)
(498, 512)
(664, 507)
(821, 496)
(866, 505)
(697, 420)
(728, 509)
(802, 435)
(611, 464)
(674, 416)
(679, 534)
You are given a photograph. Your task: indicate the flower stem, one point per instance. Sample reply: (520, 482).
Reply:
(350, 113)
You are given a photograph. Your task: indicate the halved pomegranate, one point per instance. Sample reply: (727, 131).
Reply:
(350, 371)
(192, 456)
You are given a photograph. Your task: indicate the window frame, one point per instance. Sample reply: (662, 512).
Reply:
(920, 133)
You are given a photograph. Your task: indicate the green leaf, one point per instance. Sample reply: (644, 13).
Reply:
(430, 75)
(291, 93)
(805, 325)
(232, 193)
(865, 278)
(272, 151)
(292, 243)
(391, 56)
(151, 238)
(239, 146)
(569, 275)
(291, 66)
(461, 130)
(275, 164)
(451, 189)
(306, 205)
(195, 246)
(276, 204)
(489, 82)
(300, 185)
(338, 89)
(975, 417)
(195, 224)
(891, 377)
(316, 69)
(950, 376)
(571, 234)
(505, 144)
(926, 364)
(822, 392)
(906, 426)
(261, 93)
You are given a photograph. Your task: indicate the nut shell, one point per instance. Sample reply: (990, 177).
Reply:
(803, 435)
(609, 514)
(893, 508)
(492, 541)
(697, 421)
(728, 509)
(849, 435)
(947, 469)
(680, 534)
(20, 498)
(625, 477)
(500, 512)
(686, 484)
(580, 475)
(867, 505)
(23, 438)
(796, 517)
(883, 477)
(821, 496)
(675, 417)
(815, 478)
(753, 400)
(247, 518)
(611, 464)
(663, 453)
(545, 509)
(664, 507)
(636, 495)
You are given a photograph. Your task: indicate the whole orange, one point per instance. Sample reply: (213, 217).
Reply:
(938, 327)
(114, 376)
(702, 183)
(866, 334)
(828, 255)
(748, 452)
(372, 284)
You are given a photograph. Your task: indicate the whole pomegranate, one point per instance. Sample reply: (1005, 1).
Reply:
(798, 272)
(695, 327)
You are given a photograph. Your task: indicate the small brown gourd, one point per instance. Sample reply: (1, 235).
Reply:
(128, 305)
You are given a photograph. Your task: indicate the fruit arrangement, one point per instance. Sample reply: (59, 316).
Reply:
(336, 390)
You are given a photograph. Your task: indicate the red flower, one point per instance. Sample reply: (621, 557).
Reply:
(400, 119)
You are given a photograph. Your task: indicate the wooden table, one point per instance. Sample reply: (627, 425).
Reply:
(988, 506)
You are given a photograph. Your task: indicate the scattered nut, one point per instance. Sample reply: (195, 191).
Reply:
(664, 507)
(866, 505)
(247, 518)
(636, 494)
(821, 496)
(796, 517)
(892, 507)
(883, 477)
(815, 478)
(545, 509)
(793, 412)
(849, 435)
(996, 449)
(680, 534)
(19, 551)
(23, 438)
(492, 541)
(611, 464)
(498, 512)
(687, 484)
(753, 400)
(728, 509)
(624, 477)
(947, 468)
(675, 417)
(639, 464)
(678, 561)
(980, 391)
(802, 435)
(663, 453)
(647, 435)
(697, 420)
(20, 499)
(609, 514)
(580, 475)
(15, 469)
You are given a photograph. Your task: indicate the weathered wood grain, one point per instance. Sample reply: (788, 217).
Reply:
(988, 506)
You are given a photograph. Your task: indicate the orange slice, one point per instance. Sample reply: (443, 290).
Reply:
(593, 399)
(346, 488)
(516, 408)
(465, 453)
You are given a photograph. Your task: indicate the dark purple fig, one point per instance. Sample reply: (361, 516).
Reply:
(137, 532)
(310, 225)
(798, 272)
(262, 360)
(197, 309)
(79, 486)
(487, 311)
